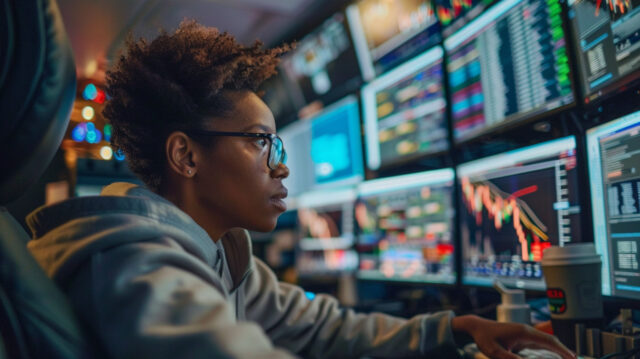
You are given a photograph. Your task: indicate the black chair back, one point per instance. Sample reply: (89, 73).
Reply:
(37, 89)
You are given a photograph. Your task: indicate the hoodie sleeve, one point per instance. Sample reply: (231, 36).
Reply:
(148, 300)
(320, 328)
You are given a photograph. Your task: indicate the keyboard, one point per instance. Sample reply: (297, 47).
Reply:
(471, 351)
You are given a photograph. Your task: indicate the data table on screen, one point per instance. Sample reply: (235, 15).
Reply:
(606, 36)
(614, 176)
(509, 64)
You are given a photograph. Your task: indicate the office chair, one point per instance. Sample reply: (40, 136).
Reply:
(37, 89)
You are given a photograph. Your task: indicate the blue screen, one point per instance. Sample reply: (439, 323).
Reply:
(336, 149)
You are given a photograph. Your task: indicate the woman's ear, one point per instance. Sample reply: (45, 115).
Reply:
(181, 153)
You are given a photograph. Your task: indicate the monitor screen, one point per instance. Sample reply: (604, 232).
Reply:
(296, 139)
(508, 64)
(513, 206)
(607, 40)
(277, 96)
(336, 148)
(325, 220)
(453, 14)
(389, 32)
(614, 174)
(405, 112)
(404, 228)
(323, 62)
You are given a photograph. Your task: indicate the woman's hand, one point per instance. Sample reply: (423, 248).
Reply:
(500, 340)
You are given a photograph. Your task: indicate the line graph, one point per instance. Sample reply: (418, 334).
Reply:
(615, 6)
(504, 208)
(447, 11)
(512, 207)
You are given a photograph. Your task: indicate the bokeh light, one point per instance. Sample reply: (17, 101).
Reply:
(88, 112)
(106, 152)
(79, 132)
(90, 92)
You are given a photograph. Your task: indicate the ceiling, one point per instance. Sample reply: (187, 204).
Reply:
(97, 28)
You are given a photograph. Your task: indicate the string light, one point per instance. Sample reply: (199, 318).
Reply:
(118, 155)
(93, 135)
(79, 132)
(90, 92)
(88, 112)
(107, 132)
(106, 152)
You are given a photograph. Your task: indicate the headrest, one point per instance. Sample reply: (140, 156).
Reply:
(37, 89)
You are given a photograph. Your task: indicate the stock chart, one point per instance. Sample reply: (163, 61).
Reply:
(511, 212)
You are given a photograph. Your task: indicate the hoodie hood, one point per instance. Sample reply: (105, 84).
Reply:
(66, 234)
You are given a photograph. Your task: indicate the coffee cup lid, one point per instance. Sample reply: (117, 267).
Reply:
(578, 253)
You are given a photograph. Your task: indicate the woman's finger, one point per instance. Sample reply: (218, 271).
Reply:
(496, 351)
(539, 340)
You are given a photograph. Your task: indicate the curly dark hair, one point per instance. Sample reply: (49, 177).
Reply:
(174, 82)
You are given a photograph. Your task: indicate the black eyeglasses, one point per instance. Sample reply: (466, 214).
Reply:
(277, 154)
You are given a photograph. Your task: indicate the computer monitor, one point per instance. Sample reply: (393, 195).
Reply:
(453, 14)
(323, 63)
(277, 96)
(296, 138)
(513, 206)
(614, 175)
(325, 219)
(607, 39)
(336, 146)
(387, 33)
(404, 227)
(405, 112)
(508, 64)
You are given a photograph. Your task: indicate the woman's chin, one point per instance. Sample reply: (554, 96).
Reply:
(266, 226)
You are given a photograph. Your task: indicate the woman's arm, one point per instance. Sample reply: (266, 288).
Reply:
(149, 300)
(320, 328)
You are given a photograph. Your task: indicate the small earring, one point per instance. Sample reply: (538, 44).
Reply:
(189, 171)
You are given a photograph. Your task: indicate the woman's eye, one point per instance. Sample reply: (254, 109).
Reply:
(262, 142)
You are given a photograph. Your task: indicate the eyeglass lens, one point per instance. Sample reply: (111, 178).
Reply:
(277, 154)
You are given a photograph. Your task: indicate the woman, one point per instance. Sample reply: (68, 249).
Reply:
(166, 270)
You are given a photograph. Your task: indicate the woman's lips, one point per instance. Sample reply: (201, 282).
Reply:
(277, 200)
(279, 204)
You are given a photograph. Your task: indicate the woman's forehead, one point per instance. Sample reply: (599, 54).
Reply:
(248, 113)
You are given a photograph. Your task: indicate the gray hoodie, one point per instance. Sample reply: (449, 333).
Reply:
(149, 282)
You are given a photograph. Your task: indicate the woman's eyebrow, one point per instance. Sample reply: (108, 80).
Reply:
(259, 126)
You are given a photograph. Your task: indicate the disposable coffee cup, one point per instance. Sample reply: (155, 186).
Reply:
(574, 288)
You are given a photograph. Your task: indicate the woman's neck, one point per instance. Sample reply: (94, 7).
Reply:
(188, 203)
